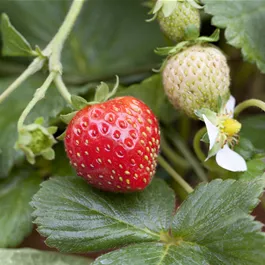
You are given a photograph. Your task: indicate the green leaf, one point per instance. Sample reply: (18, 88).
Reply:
(35, 257)
(49, 154)
(52, 129)
(151, 92)
(245, 148)
(68, 117)
(216, 147)
(61, 136)
(243, 22)
(77, 218)
(78, 102)
(14, 44)
(212, 226)
(49, 108)
(211, 115)
(15, 194)
(155, 254)
(102, 92)
(215, 216)
(252, 128)
(256, 168)
(213, 38)
(127, 48)
(205, 138)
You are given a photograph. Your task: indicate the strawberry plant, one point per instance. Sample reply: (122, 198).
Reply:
(161, 166)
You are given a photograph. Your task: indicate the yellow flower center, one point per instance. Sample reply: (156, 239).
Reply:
(231, 127)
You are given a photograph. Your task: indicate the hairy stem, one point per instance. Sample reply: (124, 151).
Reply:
(52, 52)
(55, 48)
(211, 165)
(39, 94)
(175, 158)
(249, 103)
(185, 129)
(180, 145)
(163, 163)
(62, 88)
(197, 144)
(34, 67)
(62, 34)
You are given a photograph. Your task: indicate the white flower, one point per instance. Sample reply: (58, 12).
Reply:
(222, 132)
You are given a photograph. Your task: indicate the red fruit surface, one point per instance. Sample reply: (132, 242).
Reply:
(114, 145)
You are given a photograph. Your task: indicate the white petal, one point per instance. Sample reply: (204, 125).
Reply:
(230, 106)
(212, 131)
(230, 160)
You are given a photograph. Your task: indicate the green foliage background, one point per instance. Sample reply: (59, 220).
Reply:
(213, 225)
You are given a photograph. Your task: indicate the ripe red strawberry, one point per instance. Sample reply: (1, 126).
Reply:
(114, 145)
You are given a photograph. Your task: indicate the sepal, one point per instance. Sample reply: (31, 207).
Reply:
(191, 32)
(36, 140)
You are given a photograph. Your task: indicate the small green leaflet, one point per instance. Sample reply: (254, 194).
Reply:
(244, 24)
(79, 102)
(246, 149)
(212, 226)
(15, 219)
(102, 92)
(28, 256)
(14, 44)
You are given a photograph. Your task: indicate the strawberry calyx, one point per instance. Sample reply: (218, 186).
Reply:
(36, 140)
(168, 7)
(193, 38)
(102, 94)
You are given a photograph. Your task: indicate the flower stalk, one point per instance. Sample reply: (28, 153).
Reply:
(249, 103)
(52, 53)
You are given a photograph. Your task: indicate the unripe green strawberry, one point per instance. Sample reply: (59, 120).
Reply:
(174, 26)
(195, 78)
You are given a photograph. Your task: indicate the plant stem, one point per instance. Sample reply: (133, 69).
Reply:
(62, 88)
(185, 124)
(197, 144)
(200, 154)
(34, 67)
(163, 163)
(249, 103)
(177, 141)
(39, 94)
(52, 51)
(62, 34)
(175, 158)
